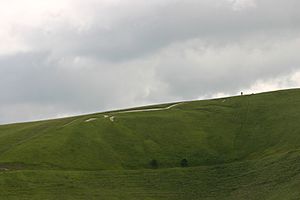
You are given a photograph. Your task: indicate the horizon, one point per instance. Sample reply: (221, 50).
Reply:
(147, 105)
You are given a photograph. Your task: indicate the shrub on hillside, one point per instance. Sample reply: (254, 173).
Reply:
(184, 163)
(154, 164)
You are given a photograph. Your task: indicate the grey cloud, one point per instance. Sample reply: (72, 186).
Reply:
(230, 68)
(136, 35)
(136, 54)
(33, 81)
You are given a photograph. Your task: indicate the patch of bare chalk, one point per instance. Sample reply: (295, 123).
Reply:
(91, 119)
(112, 118)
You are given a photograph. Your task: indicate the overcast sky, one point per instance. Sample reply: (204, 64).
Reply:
(66, 57)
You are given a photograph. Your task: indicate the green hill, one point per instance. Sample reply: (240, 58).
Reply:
(245, 147)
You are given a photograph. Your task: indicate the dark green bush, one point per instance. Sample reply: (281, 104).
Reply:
(154, 164)
(184, 163)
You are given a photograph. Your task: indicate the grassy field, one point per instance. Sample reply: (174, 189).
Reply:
(245, 147)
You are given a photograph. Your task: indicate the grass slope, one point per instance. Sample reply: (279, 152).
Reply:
(245, 147)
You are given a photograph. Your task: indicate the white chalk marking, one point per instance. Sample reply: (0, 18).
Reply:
(91, 119)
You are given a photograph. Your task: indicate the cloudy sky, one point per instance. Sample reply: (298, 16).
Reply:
(68, 57)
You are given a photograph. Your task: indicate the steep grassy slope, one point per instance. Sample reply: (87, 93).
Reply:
(245, 147)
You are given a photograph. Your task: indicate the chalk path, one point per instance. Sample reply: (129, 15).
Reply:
(144, 110)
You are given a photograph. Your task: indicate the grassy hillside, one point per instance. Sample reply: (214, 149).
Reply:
(245, 147)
